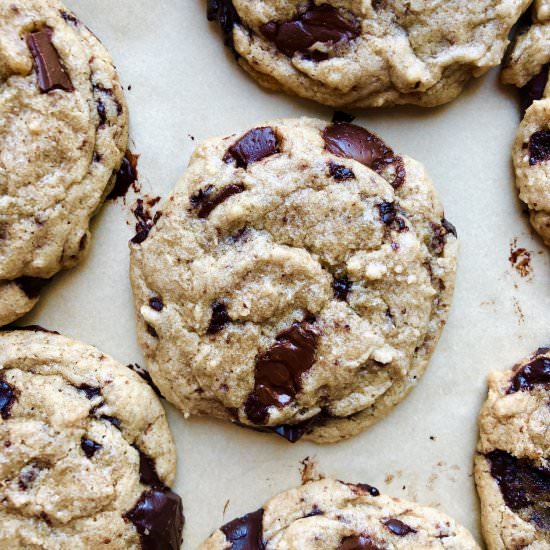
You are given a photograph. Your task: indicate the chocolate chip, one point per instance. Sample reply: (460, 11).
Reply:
(342, 116)
(246, 533)
(207, 200)
(342, 287)
(102, 113)
(145, 375)
(219, 318)
(365, 487)
(397, 527)
(147, 470)
(112, 420)
(156, 303)
(69, 18)
(534, 89)
(539, 147)
(51, 73)
(144, 221)
(388, 214)
(90, 392)
(126, 176)
(536, 373)
(90, 447)
(318, 24)
(254, 146)
(225, 13)
(449, 227)
(28, 475)
(351, 141)
(151, 331)
(358, 542)
(525, 488)
(279, 370)
(7, 398)
(31, 286)
(339, 172)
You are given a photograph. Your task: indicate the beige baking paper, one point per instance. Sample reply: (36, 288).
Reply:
(184, 83)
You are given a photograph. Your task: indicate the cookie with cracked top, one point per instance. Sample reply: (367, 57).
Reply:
(367, 54)
(63, 133)
(297, 280)
(86, 454)
(333, 515)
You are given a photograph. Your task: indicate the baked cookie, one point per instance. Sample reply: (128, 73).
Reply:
(296, 280)
(63, 132)
(527, 68)
(86, 454)
(367, 53)
(333, 515)
(512, 465)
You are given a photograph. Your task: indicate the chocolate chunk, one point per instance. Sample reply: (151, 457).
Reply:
(279, 370)
(525, 488)
(534, 89)
(388, 214)
(144, 220)
(31, 286)
(219, 319)
(339, 172)
(358, 542)
(69, 18)
(156, 303)
(536, 373)
(90, 447)
(225, 13)
(397, 527)
(7, 398)
(145, 375)
(246, 533)
(440, 233)
(351, 141)
(539, 147)
(342, 287)
(207, 200)
(112, 420)
(151, 331)
(254, 146)
(342, 116)
(449, 227)
(324, 24)
(126, 176)
(365, 487)
(147, 470)
(51, 73)
(90, 392)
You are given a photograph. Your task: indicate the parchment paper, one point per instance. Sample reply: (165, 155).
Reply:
(184, 83)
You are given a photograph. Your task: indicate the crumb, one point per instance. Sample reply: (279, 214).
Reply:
(520, 259)
(226, 506)
(389, 478)
(433, 437)
(308, 470)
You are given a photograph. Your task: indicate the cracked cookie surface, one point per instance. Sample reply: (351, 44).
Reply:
(296, 280)
(367, 53)
(63, 132)
(512, 468)
(332, 515)
(86, 454)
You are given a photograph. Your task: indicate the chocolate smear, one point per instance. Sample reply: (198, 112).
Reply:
(255, 145)
(246, 533)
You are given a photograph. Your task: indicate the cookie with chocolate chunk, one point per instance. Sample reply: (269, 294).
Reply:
(296, 280)
(63, 133)
(86, 454)
(527, 68)
(367, 54)
(512, 465)
(333, 515)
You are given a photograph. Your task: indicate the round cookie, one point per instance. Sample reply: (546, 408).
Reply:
(367, 53)
(333, 515)
(86, 454)
(296, 280)
(527, 68)
(512, 465)
(63, 133)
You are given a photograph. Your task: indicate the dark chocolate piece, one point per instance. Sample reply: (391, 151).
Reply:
(145, 375)
(535, 373)
(397, 527)
(7, 398)
(342, 287)
(534, 89)
(539, 147)
(145, 222)
(324, 24)
(156, 303)
(365, 487)
(226, 15)
(440, 235)
(358, 542)
(246, 533)
(342, 116)
(31, 286)
(254, 146)
(219, 319)
(51, 73)
(90, 391)
(90, 447)
(339, 172)
(126, 175)
(279, 370)
(112, 420)
(351, 141)
(207, 200)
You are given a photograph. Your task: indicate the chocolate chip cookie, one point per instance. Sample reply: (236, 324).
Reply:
(63, 132)
(86, 454)
(367, 54)
(296, 281)
(512, 466)
(332, 515)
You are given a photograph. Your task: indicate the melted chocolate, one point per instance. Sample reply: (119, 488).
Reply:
(536, 373)
(31, 286)
(126, 175)
(397, 527)
(219, 319)
(90, 447)
(539, 147)
(342, 287)
(226, 15)
(351, 141)
(339, 172)
(51, 73)
(254, 146)
(207, 200)
(324, 24)
(279, 370)
(534, 89)
(7, 398)
(358, 542)
(525, 488)
(245, 533)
